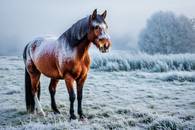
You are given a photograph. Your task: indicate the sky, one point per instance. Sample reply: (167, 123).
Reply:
(23, 20)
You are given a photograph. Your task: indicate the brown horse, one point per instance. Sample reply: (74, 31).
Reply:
(65, 58)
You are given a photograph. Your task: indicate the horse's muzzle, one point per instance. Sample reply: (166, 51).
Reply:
(103, 45)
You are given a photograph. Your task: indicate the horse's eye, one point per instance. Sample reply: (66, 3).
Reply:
(96, 27)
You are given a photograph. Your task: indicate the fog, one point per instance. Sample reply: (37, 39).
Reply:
(23, 20)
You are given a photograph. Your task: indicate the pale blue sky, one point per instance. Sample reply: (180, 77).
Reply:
(23, 20)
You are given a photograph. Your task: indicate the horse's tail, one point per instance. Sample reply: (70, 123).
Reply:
(29, 98)
(30, 103)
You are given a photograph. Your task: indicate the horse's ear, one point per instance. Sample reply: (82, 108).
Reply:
(104, 14)
(94, 14)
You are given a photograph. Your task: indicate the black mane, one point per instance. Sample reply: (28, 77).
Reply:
(76, 32)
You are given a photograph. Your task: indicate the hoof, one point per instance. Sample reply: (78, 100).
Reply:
(56, 111)
(30, 109)
(42, 113)
(39, 112)
(83, 118)
(73, 117)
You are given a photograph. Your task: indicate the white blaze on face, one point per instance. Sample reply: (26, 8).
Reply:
(104, 34)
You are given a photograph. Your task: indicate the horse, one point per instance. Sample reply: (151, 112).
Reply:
(65, 57)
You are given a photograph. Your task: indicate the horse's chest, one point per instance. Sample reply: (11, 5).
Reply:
(78, 70)
(74, 68)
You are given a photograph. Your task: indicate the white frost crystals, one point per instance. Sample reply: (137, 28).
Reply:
(134, 99)
(141, 61)
(51, 45)
(65, 52)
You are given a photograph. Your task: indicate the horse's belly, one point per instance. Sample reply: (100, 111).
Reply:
(52, 74)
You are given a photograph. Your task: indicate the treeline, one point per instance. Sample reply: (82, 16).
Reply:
(167, 33)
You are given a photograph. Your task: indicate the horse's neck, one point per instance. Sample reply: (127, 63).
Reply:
(80, 51)
(83, 47)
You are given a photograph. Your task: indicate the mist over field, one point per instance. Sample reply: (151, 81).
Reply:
(22, 20)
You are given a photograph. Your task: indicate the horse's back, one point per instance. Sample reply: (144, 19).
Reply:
(42, 54)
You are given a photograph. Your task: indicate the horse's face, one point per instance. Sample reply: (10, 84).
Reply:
(98, 31)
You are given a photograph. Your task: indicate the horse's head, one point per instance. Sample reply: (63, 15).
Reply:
(98, 31)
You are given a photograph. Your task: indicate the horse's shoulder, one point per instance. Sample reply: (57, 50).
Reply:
(87, 60)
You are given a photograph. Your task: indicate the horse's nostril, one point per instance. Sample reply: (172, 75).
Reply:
(101, 39)
(106, 45)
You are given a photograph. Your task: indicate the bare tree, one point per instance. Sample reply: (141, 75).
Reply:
(167, 33)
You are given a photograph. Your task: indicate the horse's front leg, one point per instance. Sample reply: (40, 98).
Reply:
(69, 84)
(80, 84)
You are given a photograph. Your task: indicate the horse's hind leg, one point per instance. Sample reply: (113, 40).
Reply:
(52, 90)
(35, 76)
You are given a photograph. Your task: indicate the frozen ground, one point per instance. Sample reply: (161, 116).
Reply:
(123, 91)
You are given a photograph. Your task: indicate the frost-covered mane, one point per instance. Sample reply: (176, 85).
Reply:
(76, 32)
